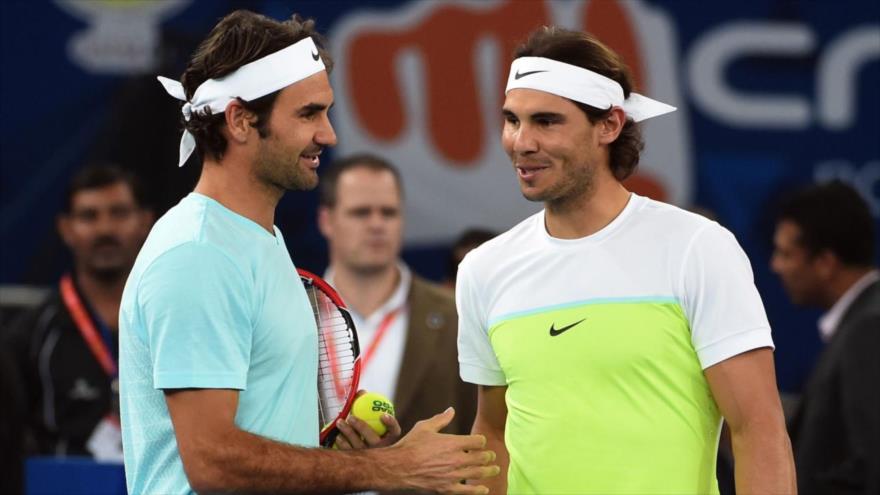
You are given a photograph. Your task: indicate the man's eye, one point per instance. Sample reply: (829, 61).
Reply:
(86, 216)
(360, 213)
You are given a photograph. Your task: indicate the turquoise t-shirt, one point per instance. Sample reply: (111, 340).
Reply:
(213, 301)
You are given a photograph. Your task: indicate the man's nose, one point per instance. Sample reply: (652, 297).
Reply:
(775, 264)
(524, 141)
(105, 223)
(326, 136)
(377, 220)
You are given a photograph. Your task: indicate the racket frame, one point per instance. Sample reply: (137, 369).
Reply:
(329, 431)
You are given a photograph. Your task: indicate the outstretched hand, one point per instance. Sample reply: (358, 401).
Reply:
(439, 462)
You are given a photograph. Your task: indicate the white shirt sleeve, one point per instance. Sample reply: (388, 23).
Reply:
(720, 299)
(476, 358)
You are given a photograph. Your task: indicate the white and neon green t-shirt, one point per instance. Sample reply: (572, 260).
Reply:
(602, 342)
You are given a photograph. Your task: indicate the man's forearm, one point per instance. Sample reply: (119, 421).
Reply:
(244, 462)
(763, 461)
(495, 442)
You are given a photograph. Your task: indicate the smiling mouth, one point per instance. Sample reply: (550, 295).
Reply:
(313, 159)
(528, 173)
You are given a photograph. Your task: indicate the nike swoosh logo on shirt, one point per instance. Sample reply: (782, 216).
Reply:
(554, 332)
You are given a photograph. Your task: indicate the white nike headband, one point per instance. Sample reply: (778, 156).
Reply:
(249, 82)
(582, 85)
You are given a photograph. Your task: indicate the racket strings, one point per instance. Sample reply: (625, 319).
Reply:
(336, 355)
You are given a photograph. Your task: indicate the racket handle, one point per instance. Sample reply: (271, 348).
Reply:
(330, 438)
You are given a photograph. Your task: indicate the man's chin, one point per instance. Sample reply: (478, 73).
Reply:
(302, 183)
(108, 274)
(532, 195)
(366, 269)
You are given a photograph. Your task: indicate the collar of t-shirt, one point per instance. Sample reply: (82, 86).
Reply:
(634, 203)
(381, 372)
(829, 322)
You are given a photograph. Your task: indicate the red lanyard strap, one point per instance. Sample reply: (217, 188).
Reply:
(380, 333)
(86, 326)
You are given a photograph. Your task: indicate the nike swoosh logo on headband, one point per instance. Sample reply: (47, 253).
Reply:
(519, 75)
(315, 56)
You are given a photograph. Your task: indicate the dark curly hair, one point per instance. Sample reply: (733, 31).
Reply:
(832, 217)
(238, 39)
(584, 50)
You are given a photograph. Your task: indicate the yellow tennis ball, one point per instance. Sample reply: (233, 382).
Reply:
(370, 407)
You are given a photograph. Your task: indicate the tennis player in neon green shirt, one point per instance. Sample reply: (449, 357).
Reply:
(610, 333)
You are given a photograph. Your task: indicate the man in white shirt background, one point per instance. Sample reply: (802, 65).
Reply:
(406, 325)
(825, 255)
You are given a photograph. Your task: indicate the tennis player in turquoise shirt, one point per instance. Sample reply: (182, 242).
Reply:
(218, 345)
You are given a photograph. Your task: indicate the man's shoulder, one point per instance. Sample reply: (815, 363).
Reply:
(425, 291)
(673, 219)
(432, 306)
(26, 334)
(501, 246)
(191, 230)
(45, 313)
(863, 317)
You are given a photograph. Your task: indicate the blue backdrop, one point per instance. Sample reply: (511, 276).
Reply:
(813, 117)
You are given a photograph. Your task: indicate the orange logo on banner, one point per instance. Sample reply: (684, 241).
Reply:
(447, 40)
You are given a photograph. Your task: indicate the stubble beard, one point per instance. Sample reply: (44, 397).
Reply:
(107, 274)
(281, 169)
(576, 183)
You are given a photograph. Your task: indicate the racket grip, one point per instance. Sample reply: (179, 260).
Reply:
(330, 438)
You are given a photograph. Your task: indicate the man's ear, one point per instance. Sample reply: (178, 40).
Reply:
(146, 219)
(826, 264)
(324, 224)
(239, 121)
(611, 126)
(62, 223)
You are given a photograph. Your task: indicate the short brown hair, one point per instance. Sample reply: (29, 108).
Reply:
(330, 178)
(584, 50)
(99, 175)
(238, 39)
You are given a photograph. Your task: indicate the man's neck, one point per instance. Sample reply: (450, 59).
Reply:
(103, 296)
(365, 292)
(588, 213)
(232, 185)
(842, 282)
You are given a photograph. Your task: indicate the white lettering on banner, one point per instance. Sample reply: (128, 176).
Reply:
(715, 51)
(865, 179)
(837, 75)
(430, 101)
(838, 69)
(123, 35)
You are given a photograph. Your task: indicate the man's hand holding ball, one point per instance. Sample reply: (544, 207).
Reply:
(370, 424)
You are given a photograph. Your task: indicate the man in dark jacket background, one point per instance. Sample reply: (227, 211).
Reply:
(825, 256)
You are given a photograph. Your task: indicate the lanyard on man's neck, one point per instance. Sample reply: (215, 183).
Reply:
(380, 333)
(100, 346)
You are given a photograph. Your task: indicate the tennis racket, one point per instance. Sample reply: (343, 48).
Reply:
(339, 356)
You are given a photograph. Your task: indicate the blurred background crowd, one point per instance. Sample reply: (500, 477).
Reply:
(775, 137)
